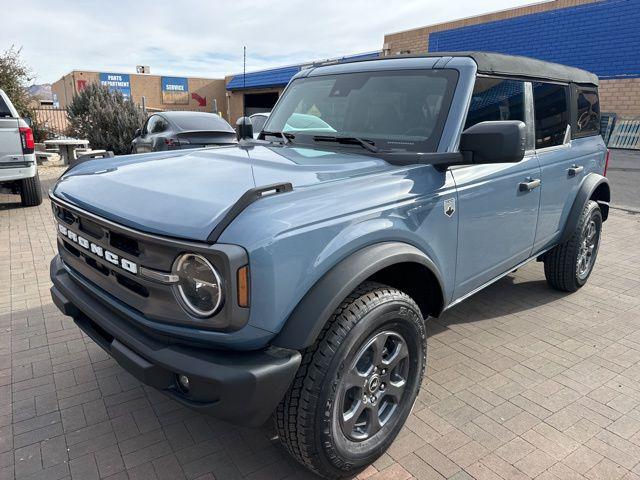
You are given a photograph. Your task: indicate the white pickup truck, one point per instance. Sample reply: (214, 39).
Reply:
(18, 169)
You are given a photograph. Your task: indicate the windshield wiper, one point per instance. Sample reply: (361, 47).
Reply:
(285, 136)
(363, 142)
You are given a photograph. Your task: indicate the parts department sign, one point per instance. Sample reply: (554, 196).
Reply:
(175, 90)
(118, 82)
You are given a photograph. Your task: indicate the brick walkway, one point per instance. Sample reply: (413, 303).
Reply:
(522, 382)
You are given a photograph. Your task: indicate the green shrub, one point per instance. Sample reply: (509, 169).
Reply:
(105, 118)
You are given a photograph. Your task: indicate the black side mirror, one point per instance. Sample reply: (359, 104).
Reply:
(501, 141)
(137, 132)
(244, 128)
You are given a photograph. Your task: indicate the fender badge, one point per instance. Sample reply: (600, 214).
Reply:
(449, 207)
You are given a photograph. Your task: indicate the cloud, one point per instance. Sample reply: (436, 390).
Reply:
(205, 39)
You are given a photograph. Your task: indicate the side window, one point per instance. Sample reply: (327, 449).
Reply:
(258, 122)
(148, 128)
(496, 99)
(160, 125)
(587, 112)
(4, 109)
(551, 113)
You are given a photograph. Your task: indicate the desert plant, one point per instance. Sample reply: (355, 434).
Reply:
(105, 118)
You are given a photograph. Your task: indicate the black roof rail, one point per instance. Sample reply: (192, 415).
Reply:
(247, 198)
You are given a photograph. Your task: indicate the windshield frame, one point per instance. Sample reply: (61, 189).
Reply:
(429, 145)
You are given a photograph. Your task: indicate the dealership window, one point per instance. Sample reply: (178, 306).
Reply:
(496, 99)
(587, 112)
(551, 113)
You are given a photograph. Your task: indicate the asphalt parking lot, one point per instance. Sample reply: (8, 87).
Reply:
(624, 175)
(522, 382)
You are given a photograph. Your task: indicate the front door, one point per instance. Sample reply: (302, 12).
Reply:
(497, 203)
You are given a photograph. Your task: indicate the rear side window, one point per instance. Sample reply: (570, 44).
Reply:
(587, 112)
(258, 122)
(4, 109)
(206, 122)
(551, 113)
(496, 99)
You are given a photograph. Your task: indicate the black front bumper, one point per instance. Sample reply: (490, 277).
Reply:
(241, 387)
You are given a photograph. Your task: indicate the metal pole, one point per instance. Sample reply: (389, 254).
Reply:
(244, 80)
(144, 105)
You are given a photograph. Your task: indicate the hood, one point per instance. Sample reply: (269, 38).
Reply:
(184, 194)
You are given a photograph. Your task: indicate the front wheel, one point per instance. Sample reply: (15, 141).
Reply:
(568, 266)
(357, 384)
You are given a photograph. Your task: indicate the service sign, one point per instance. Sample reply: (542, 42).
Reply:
(118, 82)
(175, 90)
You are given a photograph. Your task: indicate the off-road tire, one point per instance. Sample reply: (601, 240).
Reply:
(305, 419)
(560, 263)
(30, 191)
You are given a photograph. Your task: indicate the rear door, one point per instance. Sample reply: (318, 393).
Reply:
(497, 216)
(563, 162)
(10, 143)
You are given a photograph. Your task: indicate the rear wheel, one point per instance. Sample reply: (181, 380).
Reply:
(30, 191)
(568, 266)
(356, 385)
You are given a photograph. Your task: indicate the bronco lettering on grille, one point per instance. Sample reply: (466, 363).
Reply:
(98, 250)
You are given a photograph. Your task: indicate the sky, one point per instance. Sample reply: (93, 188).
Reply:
(205, 38)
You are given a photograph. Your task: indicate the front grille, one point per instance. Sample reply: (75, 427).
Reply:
(124, 243)
(66, 216)
(132, 285)
(118, 274)
(91, 228)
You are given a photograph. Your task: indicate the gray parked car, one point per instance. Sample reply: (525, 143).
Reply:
(18, 169)
(257, 122)
(180, 130)
(295, 273)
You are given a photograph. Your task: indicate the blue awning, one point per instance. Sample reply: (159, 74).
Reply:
(279, 77)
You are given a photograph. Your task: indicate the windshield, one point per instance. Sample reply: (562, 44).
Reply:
(395, 110)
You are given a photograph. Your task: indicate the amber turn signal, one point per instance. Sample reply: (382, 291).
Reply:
(243, 286)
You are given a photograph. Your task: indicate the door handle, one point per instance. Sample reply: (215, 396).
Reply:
(529, 185)
(575, 170)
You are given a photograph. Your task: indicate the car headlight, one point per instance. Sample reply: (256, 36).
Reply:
(199, 285)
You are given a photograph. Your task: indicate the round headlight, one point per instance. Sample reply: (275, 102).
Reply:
(199, 285)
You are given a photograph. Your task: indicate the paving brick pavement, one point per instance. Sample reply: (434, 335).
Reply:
(522, 382)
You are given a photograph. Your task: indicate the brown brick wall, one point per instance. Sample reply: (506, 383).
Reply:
(620, 96)
(417, 40)
(150, 87)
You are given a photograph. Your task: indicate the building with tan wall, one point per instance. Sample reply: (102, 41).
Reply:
(602, 36)
(159, 92)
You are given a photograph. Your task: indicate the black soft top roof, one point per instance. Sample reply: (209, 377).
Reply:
(517, 66)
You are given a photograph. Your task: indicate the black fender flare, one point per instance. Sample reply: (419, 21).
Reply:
(592, 182)
(307, 319)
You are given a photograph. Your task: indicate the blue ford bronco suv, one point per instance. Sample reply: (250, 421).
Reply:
(293, 274)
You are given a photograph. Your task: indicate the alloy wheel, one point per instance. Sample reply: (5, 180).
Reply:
(374, 385)
(588, 249)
